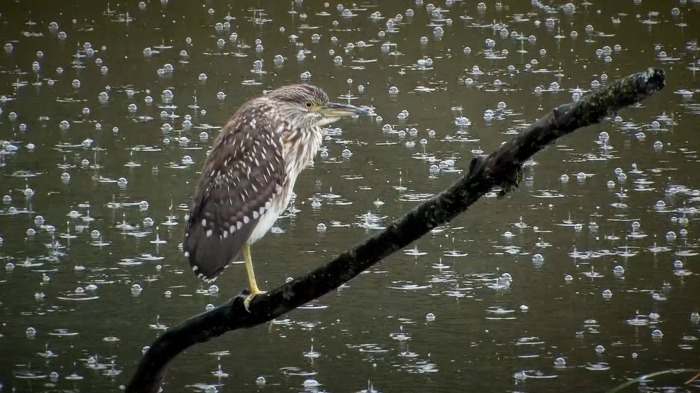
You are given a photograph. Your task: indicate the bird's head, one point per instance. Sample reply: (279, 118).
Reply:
(307, 106)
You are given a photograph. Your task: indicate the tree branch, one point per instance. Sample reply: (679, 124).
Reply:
(501, 168)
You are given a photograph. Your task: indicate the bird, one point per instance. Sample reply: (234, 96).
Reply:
(248, 176)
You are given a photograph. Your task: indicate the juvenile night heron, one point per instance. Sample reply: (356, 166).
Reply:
(249, 175)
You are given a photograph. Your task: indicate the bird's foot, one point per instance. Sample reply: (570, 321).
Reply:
(249, 298)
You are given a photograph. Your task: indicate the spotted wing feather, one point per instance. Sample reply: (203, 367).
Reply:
(241, 176)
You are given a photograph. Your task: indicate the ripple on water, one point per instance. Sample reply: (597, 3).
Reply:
(532, 374)
(29, 375)
(407, 286)
(297, 372)
(597, 366)
(63, 333)
(499, 313)
(77, 297)
(313, 306)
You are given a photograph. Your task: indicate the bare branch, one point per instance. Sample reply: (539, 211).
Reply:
(501, 168)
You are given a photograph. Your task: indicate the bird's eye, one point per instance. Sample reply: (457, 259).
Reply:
(309, 104)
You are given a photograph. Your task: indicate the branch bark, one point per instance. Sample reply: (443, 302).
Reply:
(501, 168)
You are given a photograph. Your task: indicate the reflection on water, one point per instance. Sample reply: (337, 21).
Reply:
(582, 278)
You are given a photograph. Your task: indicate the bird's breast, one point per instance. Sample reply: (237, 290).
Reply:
(300, 148)
(298, 153)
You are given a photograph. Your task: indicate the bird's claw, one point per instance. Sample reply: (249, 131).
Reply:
(249, 298)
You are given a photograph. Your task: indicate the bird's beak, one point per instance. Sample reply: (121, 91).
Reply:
(333, 109)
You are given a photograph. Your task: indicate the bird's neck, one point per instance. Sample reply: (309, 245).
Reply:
(300, 148)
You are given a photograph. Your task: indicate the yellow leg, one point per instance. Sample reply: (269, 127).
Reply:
(254, 290)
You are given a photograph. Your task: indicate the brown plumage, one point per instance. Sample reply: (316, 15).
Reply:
(249, 175)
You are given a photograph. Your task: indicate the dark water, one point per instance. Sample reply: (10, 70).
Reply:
(95, 194)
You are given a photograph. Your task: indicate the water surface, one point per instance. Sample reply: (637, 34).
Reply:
(584, 277)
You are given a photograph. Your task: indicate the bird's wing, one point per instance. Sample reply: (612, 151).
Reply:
(242, 174)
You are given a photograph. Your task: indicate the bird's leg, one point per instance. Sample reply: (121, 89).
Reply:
(254, 290)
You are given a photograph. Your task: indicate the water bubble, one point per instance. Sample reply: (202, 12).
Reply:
(656, 334)
(321, 227)
(559, 362)
(136, 290)
(607, 294)
(311, 383)
(260, 381)
(599, 349)
(39, 221)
